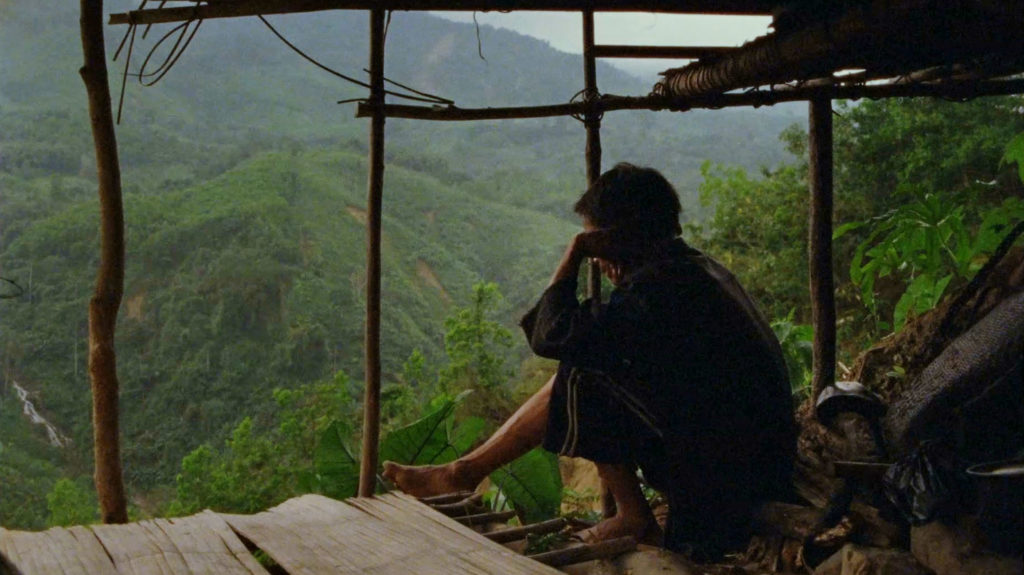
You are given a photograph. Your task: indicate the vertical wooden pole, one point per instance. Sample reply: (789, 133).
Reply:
(375, 189)
(592, 122)
(823, 304)
(106, 299)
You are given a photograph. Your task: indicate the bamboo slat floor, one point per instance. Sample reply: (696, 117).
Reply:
(393, 533)
(201, 543)
(308, 535)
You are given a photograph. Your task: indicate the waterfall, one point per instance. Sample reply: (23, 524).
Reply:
(57, 439)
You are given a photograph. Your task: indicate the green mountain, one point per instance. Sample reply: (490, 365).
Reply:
(244, 192)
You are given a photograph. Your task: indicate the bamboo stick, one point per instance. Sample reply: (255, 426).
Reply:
(482, 518)
(822, 283)
(106, 299)
(239, 8)
(953, 90)
(446, 498)
(592, 123)
(517, 533)
(463, 507)
(581, 553)
(375, 189)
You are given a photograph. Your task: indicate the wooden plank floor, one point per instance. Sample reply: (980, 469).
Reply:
(308, 535)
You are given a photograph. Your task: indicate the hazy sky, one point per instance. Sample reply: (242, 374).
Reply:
(563, 30)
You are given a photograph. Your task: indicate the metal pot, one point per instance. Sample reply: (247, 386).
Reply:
(1001, 503)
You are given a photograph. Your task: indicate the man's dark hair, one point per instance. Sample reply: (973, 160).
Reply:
(632, 197)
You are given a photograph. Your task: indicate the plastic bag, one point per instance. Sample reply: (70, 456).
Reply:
(928, 484)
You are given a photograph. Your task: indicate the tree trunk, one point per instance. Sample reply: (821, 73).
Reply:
(823, 300)
(106, 299)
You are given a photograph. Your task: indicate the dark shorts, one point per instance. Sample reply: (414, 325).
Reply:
(711, 489)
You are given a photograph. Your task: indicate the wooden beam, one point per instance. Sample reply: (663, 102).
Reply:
(237, 8)
(374, 202)
(823, 302)
(670, 52)
(609, 103)
(106, 299)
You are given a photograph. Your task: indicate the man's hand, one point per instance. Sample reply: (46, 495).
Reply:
(610, 244)
(572, 258)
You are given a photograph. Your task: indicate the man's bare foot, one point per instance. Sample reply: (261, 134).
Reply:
(644, 530)
(428, 480)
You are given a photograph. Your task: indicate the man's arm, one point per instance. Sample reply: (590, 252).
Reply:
(569, 266)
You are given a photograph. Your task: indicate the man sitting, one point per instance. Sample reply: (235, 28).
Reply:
(678, 374)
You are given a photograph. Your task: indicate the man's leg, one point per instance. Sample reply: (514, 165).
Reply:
(521, 433)
(633, 516)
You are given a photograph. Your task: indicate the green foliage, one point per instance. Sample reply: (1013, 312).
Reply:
(476, 346)
(580, 504)
(71, 503)
(26, 480)
(1014, 154)
(891, 151)
(759, 228)
(542, 542)
(796, 340)
(260, 468)
(926, 243)
(936, 172)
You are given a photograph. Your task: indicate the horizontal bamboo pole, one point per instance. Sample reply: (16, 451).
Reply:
(446, 498)
(955, 90)
(680, 52)
(581, 553)
(517, 533)
(469, 506)
(482, 518)
(238, 8)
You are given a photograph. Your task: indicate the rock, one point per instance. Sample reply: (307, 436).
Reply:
(856, 560)
(953, 550)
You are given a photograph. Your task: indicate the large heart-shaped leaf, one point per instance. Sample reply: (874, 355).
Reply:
(532, 484)
(336, 468)
(425, 441)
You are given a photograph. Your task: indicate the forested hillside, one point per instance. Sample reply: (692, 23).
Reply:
(244, 191)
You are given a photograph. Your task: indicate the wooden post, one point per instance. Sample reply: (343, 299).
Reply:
(375, 189)
(592, 122)
(823, 304)
(106, 299)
